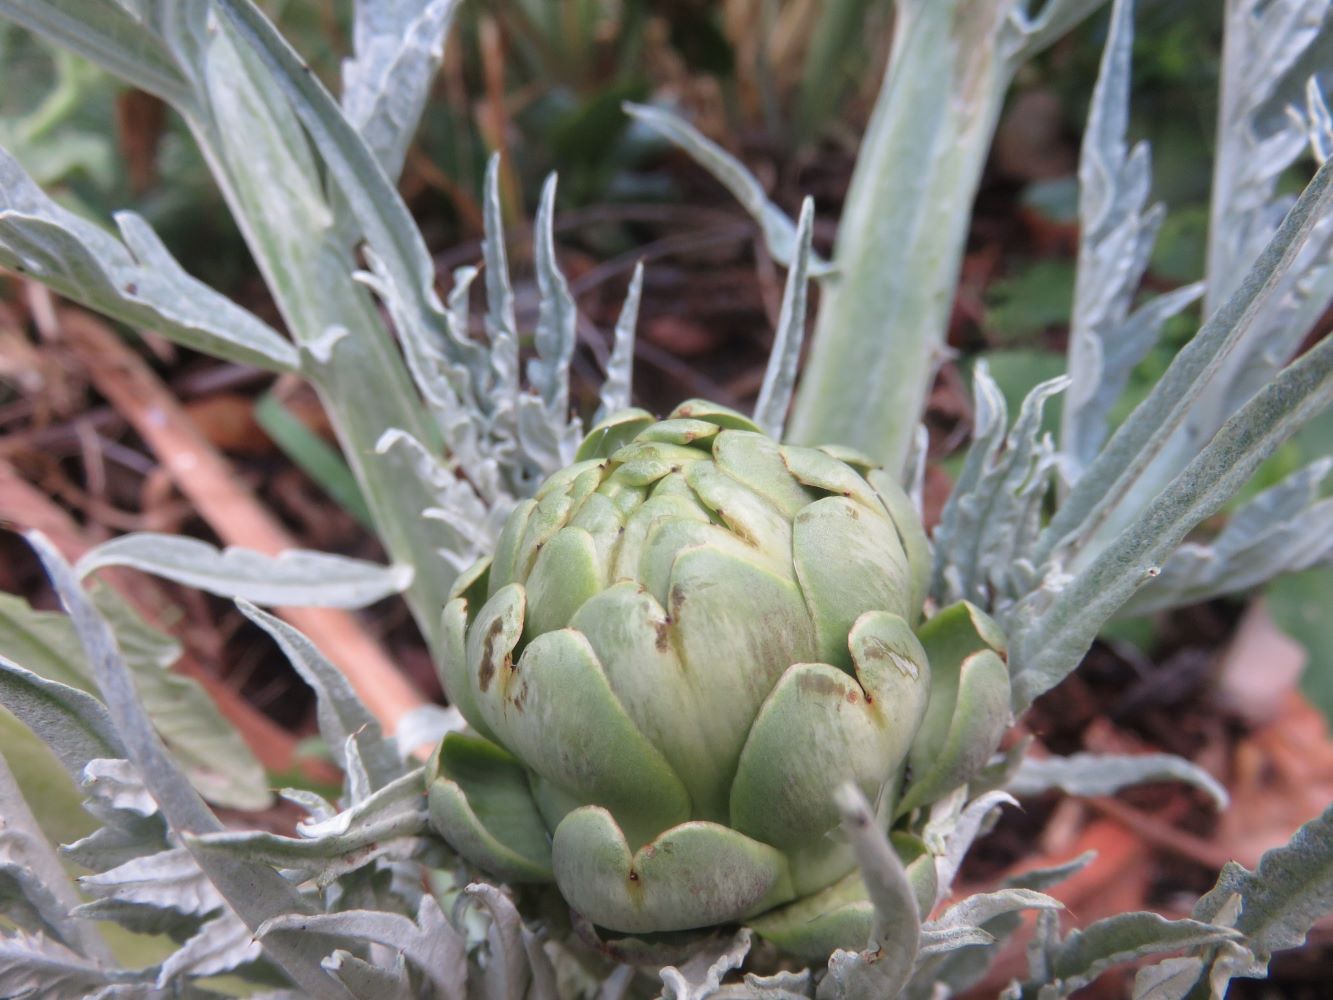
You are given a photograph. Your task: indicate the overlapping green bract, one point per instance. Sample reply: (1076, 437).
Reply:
(683, 644)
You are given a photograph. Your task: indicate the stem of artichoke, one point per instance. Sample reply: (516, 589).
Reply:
(885, 312)
(882, 323)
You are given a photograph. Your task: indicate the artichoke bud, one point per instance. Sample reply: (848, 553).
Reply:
(683, 642)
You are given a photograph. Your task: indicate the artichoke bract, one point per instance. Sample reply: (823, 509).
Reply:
(682, 645)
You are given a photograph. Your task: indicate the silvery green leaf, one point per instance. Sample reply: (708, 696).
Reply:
(1106, 498)
(43, 641)
(547, 435)
(1108, 337)
(468, 524)
(1264, 44)
(371, 981)
(221, 945)
(36, 967)
(1105, 774)
(956, 831)
(217, 760)
(370, 195)
(73, 724)
(1027, 35)
(959, 970)
(1170, 979)
(1318, 120)
(254, 891)
(518, 966)
(295, 578)
(885, 967)
(994, 511)
(779, 231)
(1285, 529)
(501, 324)
(615, 393)
(426, 725)
(35, 891)
(1279, 901)
(108, 33)
(168, 880)
(701, 977)
(342, 714)
(779, 986)
(136, 281)
(979, 909)
(430, 944)
(386, 823)
(132, 825)
(1072, 963)
(398, 48)
(770, 410)
(1054, 626)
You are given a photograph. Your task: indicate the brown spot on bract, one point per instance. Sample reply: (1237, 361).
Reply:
(663, 636)
(677, 599)
(820, 684)
(486, 671)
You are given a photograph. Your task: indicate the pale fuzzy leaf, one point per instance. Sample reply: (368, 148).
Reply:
(387, 823)
(295, 578)
(1170, 979)
(132, 825)
(1285, 529)
(957, 832)
(1284, 896)
(780, 236)
(958, 970)
(73, 724)
(106, 32)
(367, 981)
(546, 433)
(1117, 234)
(398, 48)
(1089, 774)
(1265, 40)
(501, 323)
(615, 394)
(425, 726)
(1054, 626)
(136, 281)
(253, 890)
(431, 944)
(1085, 954)
(221, 945)
(885, 967)
(779, 986)
(979, 909)
(35, 891)
(993, 512)
(1028, 35)
(701, 977)
(370, 196)
(35, 967)
(342, 714)
(519, 968)
(214, 755)
(770, 410)
(469, 528)
(170, 879)
(1106, 490)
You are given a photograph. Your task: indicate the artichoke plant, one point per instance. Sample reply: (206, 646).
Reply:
(685, 641)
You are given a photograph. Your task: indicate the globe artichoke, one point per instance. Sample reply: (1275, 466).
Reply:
(684, 642)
